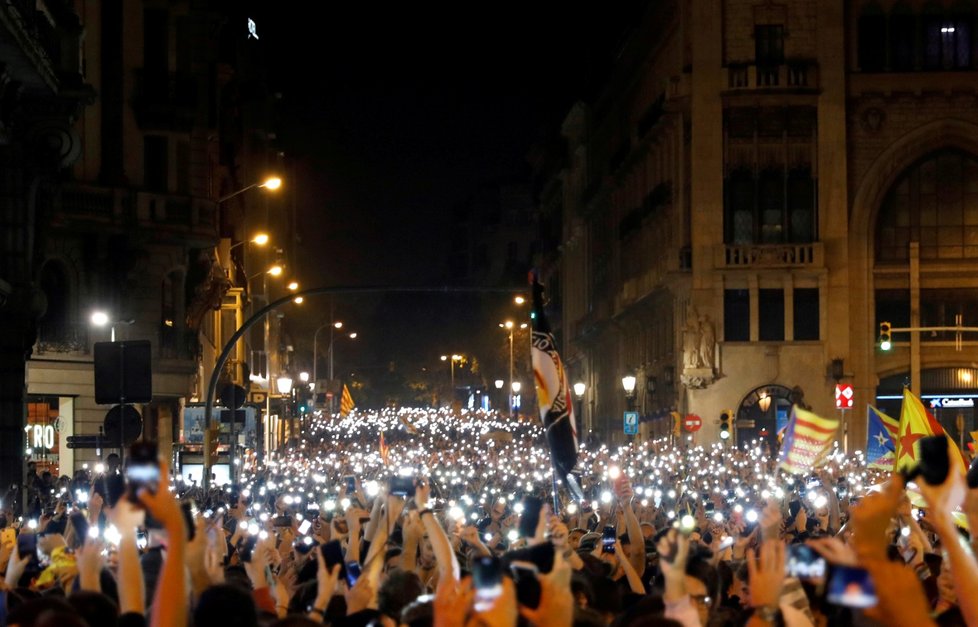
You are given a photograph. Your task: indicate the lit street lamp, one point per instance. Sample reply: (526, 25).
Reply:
(514, 395)
(510, 326)
(333, 325)
(101, 319)
(628, 384)
(453, 360)
(271, 183)
(579, 389)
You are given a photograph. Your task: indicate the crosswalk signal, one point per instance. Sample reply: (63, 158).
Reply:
(885, 336)
(726, 420)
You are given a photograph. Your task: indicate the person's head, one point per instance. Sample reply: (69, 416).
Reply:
(574, 537)
(95, 607)
(399, 589)
(225, 604)
(498, 511)
(419, 613)
(702, 584)
(112, 462)
(392, 559)
(47, 611)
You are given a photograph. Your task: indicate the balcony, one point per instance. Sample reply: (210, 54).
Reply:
(792, 75)
(65, 339)
(754, 256)
(164, 100)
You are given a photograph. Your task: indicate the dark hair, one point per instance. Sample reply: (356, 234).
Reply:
(96, 608)
(398, 591)
(419, 613)
(30, 612)
(225, 604)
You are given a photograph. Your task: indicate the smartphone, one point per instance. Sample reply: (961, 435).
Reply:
(304, 544)
(115, 487)
(80, 524)
(851, 587)
(282, 521)
(351, 484)
(143, 471)
(541, 556)
(934, 462)
(352, 572)
(402, 486)
(187, 507)
(246, 548)
(804, 563)
(608, 538)
(973, 474)
(305, 526)
(527, 584)
(530, 516)
(332, 553)
(487, 578)
(27, 545)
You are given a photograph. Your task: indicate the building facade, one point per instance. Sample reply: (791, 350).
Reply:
(757, 186)
(141, 226)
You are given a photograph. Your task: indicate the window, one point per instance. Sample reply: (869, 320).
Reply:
(805, 302)
(935, 203)
(903, 40)
(55, 325)
(947, 41)
(154, 163)
(770, 304)
(776, 205)
(736, 315)
(768, 44)
(872, 41)
(893, 306)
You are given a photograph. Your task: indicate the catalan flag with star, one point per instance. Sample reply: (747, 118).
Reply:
(807, 441)
(346, 402)
(880, 439)
(915, 423)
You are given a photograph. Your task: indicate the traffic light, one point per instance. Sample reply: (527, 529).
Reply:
(726, 423)
(885, 336)
(212, 439)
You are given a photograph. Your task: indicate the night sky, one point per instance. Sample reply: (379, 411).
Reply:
(392, 114)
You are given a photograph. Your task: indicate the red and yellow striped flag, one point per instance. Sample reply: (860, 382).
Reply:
(346, 402)
(807, 441)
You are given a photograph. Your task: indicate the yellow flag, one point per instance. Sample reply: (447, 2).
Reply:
(346, 402)
(915, 423)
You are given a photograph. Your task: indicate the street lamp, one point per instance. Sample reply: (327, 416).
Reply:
(453, 360)
(579, 389)
(260, 239)
(514, 394)
(510, 326)
(284, 386)
(333, 325)
(628, 384)
(271, 183)
(100, 319)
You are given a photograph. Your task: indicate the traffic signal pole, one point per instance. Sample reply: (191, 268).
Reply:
(886, 343)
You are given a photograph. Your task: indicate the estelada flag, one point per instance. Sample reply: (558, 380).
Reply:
(880, 443)
(807, 441)
(553, 395)
(346, 402)
(384, 453)
(915, 423)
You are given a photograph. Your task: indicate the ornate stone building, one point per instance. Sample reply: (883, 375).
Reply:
(757, 185)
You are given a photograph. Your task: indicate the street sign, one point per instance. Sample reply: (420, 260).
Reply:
(631, 423)
(692, 423)
(85, 441)
(843, 395)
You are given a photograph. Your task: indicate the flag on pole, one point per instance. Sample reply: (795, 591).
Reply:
(880, 446)
(807, 441)
(915, 423)
(346, 402)
(553, 394)
(384, 452)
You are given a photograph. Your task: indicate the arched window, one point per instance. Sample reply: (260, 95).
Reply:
(56, 325)
(935, 203)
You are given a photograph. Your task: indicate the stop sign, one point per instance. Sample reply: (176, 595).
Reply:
(692, 422)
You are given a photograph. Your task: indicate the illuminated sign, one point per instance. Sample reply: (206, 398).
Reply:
(40, 436)
(952, 402)
(252, 29)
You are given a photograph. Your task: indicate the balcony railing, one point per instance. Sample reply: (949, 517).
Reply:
(769, 255)
(788, 75)
(63, 338)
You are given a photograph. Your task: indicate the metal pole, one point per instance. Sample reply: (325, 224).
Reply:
(511, 373)
(331, 327)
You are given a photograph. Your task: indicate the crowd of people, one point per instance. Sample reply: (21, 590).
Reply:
(426, 517)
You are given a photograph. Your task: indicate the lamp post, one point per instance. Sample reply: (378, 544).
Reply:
(332, 325)
(101, 319)
(271, 183)
(514, 394)
(260, 239)
(579, 389)
(510, 326)
(452, 360)
(628, 384)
